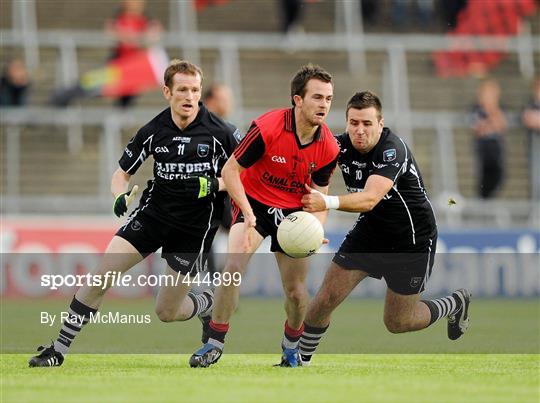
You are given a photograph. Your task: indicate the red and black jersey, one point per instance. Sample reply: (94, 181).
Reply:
(279, 166)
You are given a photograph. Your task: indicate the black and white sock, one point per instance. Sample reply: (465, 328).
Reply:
(442, 307)
(309, 341)
(202, 303)
(79, 315)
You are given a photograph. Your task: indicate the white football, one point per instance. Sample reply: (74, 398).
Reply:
(300, 234)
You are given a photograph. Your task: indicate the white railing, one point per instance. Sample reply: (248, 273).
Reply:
(229, 45)
(500, 212)
(349, 36)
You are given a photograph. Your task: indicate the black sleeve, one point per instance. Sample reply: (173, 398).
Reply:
(251, 148)
(228, 144)
(341, 144)
(137, 150)
(338, 141)
(390, 160)
(321, 177)
(232, 139)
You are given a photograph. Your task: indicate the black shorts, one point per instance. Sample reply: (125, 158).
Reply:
(268, 219)
(406, 271)
(185, 251)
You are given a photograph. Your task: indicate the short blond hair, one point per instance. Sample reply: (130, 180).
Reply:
(180, 66)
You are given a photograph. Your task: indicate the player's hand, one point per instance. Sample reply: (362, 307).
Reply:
(250, 221)
(200, 186)
(123, 200)
(313, 201)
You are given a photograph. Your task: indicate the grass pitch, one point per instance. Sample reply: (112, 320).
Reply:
(497, 326)
(497, 360)
(251, 377)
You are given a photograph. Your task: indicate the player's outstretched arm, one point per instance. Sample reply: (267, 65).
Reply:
(321, 215)
(376, 188)
(119, 182)
(231, 176)
(119, 189)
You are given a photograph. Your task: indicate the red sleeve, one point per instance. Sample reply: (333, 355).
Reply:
(251, 148)
(321, 177)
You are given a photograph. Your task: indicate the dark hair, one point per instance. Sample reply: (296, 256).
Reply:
(302, 76)
(211, 91)
(180, 66)
(364, 100)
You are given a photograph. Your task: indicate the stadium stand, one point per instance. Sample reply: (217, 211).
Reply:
(61, 153)
(498, 17)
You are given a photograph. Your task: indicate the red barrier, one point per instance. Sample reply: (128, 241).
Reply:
(66, 247)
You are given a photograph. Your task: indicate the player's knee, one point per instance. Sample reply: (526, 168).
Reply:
(233, 267)
(297, 294)
(165, 314)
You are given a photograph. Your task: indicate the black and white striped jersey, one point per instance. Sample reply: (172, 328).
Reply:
(202, 148)
(405, 215)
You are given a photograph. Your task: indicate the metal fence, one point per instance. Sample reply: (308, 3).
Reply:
(499, 213)
(185, 38)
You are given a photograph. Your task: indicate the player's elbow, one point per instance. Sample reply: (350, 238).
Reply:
(370, 202)
(226, 172)
(229, 169)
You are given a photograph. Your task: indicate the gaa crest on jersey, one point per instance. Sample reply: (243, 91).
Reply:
(312, 167)
(202, 150)
(389, 155)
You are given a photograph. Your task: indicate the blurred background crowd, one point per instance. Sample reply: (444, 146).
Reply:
(458, 79)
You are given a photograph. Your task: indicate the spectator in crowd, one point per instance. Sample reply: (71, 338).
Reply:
(201, 5)
(401, 12)
(531, 121)
(291, 14)
(489, 125)
(451, 10)
(369, 10)
(218, 99)
(133, 30)
(14, 84)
